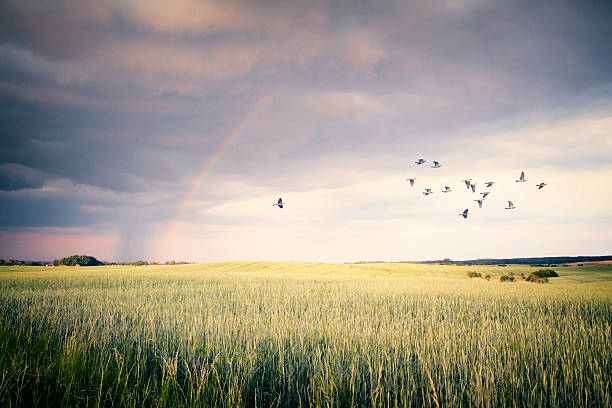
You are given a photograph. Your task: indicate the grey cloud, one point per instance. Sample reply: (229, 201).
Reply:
(16, 177)
(130, 101)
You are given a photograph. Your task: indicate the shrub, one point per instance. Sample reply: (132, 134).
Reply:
(533, 278)
(82, 260)
(488, 277)
(536, 279)
(545, 273)
(507, 278)
(542, 275)
(473, 274)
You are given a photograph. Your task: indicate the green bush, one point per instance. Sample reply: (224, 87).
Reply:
(473, 274)
(533, 278)
(536, 279)
(507, 278)
(82, 260)
(545, 273)
(488, 277)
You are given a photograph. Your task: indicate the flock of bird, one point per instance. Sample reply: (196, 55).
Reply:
(469, 185)
(447, 189)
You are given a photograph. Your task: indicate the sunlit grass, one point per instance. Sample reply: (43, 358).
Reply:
(299, 334)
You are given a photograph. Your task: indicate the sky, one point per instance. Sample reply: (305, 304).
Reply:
(167, 130)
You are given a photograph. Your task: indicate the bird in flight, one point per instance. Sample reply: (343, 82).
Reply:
(485, 194)
(510, 206)
(522, 179)
(436, 165)
(411, 180)
(279, 203)
(473, 186)
(489, 183)
(428, 191)
(464, 213)
(540, 186)
(479, 202)
(467, 182)
(420, 161)
(447, 189)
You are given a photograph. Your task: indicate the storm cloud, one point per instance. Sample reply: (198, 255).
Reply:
(112, 111)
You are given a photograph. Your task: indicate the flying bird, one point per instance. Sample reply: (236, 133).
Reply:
(479, 202)
(279, 203)
(485, 194)
(420, 161)
(464, 213)
(467, 183)
(436, 165)
(510, 206)
(540, 186)
(473, 186)
(447, 189)
(489, 183)
(522, 179)
(428, 191)
(411, 180)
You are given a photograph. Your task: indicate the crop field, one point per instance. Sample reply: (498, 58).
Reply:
(302, 334)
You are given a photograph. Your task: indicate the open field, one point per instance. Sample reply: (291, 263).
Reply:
(299, 334)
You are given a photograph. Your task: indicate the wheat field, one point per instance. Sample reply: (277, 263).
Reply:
(264, 334)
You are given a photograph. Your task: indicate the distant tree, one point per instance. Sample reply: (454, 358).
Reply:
(140, 262)
(542, 274)
(446, 261)
(82, 260)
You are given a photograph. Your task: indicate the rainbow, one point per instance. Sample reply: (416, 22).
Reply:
(256, 108)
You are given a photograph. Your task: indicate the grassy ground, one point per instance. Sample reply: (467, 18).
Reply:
(299, 334)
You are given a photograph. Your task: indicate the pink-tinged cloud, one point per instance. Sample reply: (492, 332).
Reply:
(188, 16)
(361, 53)
(339, 104)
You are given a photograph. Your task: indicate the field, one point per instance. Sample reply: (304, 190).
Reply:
(300, 334)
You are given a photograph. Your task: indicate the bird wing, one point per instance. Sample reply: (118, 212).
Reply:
(522, 175)
(280, 201)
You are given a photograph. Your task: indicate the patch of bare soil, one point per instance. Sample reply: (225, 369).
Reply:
(591, 263)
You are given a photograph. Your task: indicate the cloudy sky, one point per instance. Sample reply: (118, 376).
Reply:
(166, 130)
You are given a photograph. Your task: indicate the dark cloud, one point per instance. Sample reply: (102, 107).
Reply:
(130, 99)
(17, 177)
